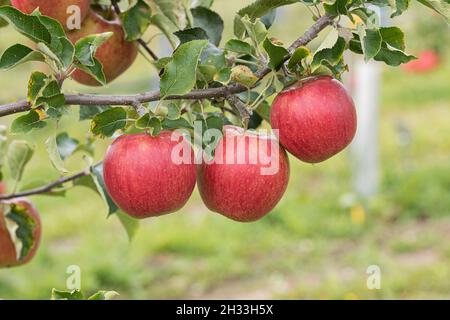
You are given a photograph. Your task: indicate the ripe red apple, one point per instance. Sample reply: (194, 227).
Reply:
(315, 118)
(143, 179)
(427, 61)
(8, 255)
(116, 54)
(2, 188)
(56, 9)
(248, 189)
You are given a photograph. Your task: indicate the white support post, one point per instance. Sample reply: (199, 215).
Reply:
(365, 147)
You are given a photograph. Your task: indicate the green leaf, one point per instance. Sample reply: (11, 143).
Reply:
(103, 295)
(105, 124)
(330, 55)
(18, 54)
(277, 53)
(19, 154)
(27, 122)
(223, 76)
(371, 43)
(393, 57)
(299, 54)
(28, 25)
(130, 224)
(149, 122)
(239, 46)
(21, 229)
(54, 155)
(66, 145)
(209, 21)
(176, 124)
(86, 47)
(394, 37)
(66, 295)
(440, 6)
(180, 74)
(338, 7)
(136, 20)
(36, 84)
(99, 181)
(95, 71)
(89, 112)
(187, 35)
(256, 30)
(167, 27)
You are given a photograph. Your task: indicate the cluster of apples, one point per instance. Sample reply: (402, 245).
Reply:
(116, 54)
(314, 120)
(8, 253)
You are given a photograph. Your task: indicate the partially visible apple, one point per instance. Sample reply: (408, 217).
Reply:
(2, 188)
(142, 177)
(56, 9)
(244, 190)
(427, 61)
(116, 54)
(315, 118)
(8, 254)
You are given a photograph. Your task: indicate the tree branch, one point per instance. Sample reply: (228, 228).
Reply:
(211, 93)
(46, 188)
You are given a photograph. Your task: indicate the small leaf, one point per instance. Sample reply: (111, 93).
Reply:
(239, 46)
(149, 122)
(18, 54)
(277, 54)
(299, 54)
(209, 21)
(105, 124)
(66, 145)
(28, 25)
(86, 47)
(136, 20)
(66, 295)
(97, 176)
(21, 226)
(28, 122)
(187, 35)
(371, 43)
(53, 153)
(104, 295)
(19, 154)
(130, 224)
(180, 74)
(89, 112)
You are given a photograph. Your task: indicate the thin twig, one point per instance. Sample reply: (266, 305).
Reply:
(46, 188)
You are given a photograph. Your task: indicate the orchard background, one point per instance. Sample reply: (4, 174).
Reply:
(319, 240)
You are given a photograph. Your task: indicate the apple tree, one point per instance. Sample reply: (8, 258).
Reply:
(206, 83)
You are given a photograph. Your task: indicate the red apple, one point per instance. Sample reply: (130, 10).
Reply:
(2, 188)
(116, 54)
(248, 189)
(427, 61)
(8, 255)
(56, 9)
(315, 118)
(143, 179)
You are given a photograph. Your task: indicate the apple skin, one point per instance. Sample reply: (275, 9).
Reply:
(8, 257)
(239, 191)
(56, 9)
(315, 118)
(141, 177)
(2, 188)
(427, 61)
(116, 54)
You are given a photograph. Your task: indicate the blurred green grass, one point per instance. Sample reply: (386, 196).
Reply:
(315, 244)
